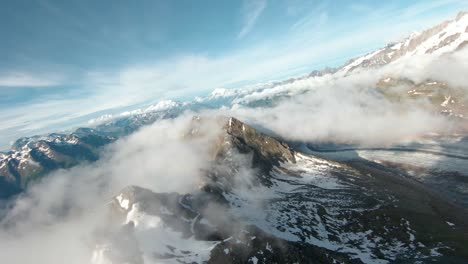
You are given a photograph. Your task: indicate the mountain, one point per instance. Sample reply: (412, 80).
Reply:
(293, 208)
(263, 199)
(444, 43)
(31, 158)
(390, 64)
(447, 37)
(440, 41)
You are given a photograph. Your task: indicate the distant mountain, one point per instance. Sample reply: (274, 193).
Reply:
(444, 38)
(440, 41)
(31, 158)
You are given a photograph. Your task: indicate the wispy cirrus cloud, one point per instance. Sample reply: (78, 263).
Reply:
(251, 11)
(28, 80)
(315, 18)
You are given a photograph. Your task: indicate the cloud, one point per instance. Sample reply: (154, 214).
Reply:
(65, 208)
(68, 209)
(251, 11)
(314, 19)
(27, 80)
(107, 91)
(340, 115)
(448, 68)
(351, 110)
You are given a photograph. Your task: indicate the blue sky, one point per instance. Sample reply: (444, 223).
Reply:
(64, 62)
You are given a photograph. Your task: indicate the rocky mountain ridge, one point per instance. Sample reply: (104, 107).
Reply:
(300, 209)
(447, 37)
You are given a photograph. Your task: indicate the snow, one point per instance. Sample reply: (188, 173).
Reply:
(226, 251)
(44, 149)
(447, 40)
(155, 238)
(101, 119)
(446, 102)
(162, 105)
(359, 60)
(124, 203)
(276, 215)
(397, 46)
(276, 211)
(221, 92)
(435, 253)
(72, 140)
(450, 223)
(410, 38)
(99, 255)
(268, 247)
(254, 260)
(315, 171)
(452, 29)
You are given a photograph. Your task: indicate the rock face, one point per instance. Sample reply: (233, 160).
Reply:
(296, 208)
(266, 148)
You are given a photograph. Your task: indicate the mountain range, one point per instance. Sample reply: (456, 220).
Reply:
(265, 198)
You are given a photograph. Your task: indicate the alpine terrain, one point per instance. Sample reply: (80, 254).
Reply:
(255, 191)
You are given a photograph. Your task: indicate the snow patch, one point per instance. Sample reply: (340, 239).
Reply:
(124, 203)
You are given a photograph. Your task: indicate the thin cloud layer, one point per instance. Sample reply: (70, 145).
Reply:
(251, 11)
(26, 80)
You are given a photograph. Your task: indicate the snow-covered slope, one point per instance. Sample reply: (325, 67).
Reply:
(444, 38)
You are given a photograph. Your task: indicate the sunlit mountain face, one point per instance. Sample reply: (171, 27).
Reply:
(362, 161)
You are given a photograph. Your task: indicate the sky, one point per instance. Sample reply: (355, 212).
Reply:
(65, 62)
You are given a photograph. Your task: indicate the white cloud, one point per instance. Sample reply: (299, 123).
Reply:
(68, 213)
(341, 110)
(21, 79)
(251, 11)
(191, 74)
(314, 19)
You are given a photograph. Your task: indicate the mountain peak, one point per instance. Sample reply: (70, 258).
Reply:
(266, 146)
(461, 14)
